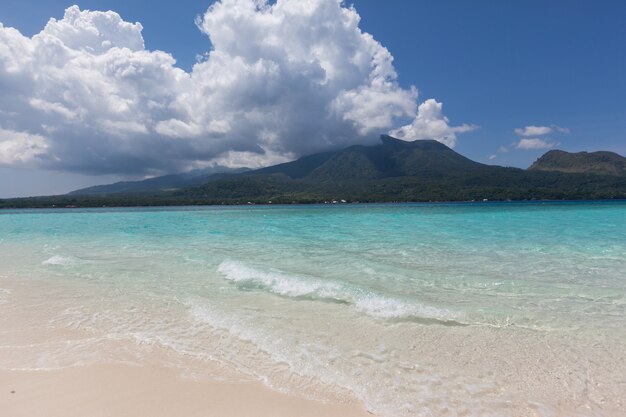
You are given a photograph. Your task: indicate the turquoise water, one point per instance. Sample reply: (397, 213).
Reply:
(416, 309)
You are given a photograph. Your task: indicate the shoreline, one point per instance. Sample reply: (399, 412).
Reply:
(115, 377)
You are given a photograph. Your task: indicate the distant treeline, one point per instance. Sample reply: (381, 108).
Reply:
(521, 185)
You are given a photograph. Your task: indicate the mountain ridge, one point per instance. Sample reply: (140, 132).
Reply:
(161, 183)
(396, 170)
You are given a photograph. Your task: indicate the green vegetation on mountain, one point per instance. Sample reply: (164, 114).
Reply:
(602, 163)
(394, 170)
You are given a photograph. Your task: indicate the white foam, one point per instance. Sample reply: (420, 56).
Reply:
(255, 350)
(364, 301)
(59, 260)
(279, 283)
(390, 308)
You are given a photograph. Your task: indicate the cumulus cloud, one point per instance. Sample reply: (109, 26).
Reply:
(282, 79)
(430, 123)
(539, 130)
(20, 148)
(534, 143)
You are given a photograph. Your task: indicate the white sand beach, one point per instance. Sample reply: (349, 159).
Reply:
(130, 391)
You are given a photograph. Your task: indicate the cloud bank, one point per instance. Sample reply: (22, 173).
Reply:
(281, 80)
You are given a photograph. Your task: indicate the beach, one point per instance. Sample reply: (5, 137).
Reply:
(127, 391)
(387, 310)
(119, 381)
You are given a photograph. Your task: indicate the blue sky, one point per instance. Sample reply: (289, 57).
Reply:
(499, 66)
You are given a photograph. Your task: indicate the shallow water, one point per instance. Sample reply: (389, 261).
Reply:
(417, 309)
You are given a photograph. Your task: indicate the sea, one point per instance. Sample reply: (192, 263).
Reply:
(467, 309)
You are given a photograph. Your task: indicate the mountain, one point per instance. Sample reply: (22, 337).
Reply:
(393, 170)
(391, 158)
(602, 163)
(162, 183)
(396, 170)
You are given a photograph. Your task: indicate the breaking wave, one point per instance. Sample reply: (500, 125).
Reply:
(362, 300)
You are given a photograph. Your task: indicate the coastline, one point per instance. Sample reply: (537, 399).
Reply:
(115, 377)
(44, 373)
(202, 205)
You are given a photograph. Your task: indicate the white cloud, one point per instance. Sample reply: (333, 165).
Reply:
(492, 156)
(535, 143)
(20, 148)
(533, 130)
(282, 80)
(430, 123)
(530, 141)
(539, 130)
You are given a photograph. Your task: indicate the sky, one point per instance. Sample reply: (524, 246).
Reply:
(117, 89)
